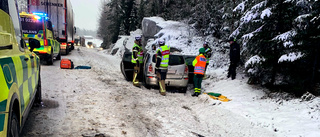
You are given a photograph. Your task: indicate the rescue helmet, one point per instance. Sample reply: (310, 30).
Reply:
(205, 44)
(161, 42)
(137, 38)
(202, 51)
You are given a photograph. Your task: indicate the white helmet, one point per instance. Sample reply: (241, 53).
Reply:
(161, 42)
(137, 38)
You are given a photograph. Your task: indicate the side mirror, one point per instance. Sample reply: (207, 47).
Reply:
(33, 43)
(75, 30)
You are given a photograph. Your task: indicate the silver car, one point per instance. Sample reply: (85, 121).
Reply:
(177, 75)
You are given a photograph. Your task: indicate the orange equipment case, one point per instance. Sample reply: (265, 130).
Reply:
(66, 64)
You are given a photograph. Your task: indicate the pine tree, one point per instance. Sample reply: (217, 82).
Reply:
(264, 41)
(307, 40)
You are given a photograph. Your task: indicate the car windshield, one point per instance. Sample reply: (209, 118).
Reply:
(173, 59)
(30, 25)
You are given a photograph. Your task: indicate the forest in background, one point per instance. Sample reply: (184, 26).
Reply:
(279, 38)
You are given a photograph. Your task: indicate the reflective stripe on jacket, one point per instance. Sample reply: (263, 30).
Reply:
(165, 52)
(199, 64)
(140, 54)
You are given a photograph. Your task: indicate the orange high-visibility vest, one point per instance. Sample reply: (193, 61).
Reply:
(199, 64)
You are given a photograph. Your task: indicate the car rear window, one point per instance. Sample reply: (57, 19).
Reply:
(173, 59)
(189, 59)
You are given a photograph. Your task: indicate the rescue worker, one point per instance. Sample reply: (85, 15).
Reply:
(234, 58)
(207, 54)
(199, 64)
(162, 63)
(137, 60)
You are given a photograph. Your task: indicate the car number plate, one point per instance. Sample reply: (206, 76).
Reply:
(172, 71)
(26, 41)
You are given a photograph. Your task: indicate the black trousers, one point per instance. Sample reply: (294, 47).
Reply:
(232, 70)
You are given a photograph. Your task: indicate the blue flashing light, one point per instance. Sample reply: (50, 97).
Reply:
(40, 14)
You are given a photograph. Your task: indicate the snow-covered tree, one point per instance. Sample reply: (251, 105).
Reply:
(304, 73)
(274, 42)
(118, 17)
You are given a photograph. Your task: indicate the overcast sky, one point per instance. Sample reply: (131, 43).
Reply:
(86, 13)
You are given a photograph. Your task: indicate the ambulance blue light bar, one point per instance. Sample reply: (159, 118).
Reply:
(40, 14)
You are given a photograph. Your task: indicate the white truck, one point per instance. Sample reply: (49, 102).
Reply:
(61, 15)
(89, 41)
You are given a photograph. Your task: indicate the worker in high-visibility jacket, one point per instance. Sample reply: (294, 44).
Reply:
(137, 60)
(162, 63)
(199, 64)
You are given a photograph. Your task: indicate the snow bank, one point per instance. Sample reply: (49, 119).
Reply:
(120, 45)
(125, 42)
(176, 34)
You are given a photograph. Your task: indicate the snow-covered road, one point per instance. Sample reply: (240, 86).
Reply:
(100, 102)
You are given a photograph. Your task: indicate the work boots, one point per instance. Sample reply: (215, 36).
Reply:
(163, 93)
(195, 94)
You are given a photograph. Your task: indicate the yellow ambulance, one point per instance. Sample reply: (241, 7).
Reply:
(20, 84)
(38, 26)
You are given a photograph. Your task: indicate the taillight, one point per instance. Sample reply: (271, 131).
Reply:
(45, 42)
(150, 68)
(186, 70)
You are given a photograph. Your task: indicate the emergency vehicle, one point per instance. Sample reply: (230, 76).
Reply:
(20, 84)
(38, 26)
(61, 16)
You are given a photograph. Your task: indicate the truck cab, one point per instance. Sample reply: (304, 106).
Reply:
(38, 26)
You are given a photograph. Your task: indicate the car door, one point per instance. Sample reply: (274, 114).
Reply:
(23, 66)
(26, 63)
(12, 60)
